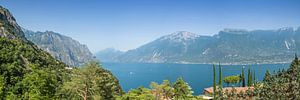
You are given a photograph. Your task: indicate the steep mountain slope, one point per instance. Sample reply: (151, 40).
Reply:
(60, 47)
(21, 60)
(175, 48)
(27, 72)
(109, 54)
(230, 46)
(258, 46)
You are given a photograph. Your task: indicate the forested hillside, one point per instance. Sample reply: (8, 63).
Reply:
(28, 72)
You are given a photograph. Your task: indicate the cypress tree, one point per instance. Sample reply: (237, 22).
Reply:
(220, 75)
(267, 76)
(249, 77)
(215, 88)
(243, 77)
(296, 57)
(254, 78)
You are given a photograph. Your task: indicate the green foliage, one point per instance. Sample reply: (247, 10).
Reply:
(2, 86)
(254, 78)
(167, 89)
(29, 73)
(243, 78)
(267, 76)
(26, 71)
(162, 91)
(39, 84)
(182, 90)
(92, 82)
(249, 83)
(232, 79)
(220, 76)
(140, 93)
(214, 83)
(283, 84)
(22, 64)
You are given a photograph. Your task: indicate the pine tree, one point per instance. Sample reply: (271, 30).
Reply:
(182, 91)
(249, 78)
(93, 82)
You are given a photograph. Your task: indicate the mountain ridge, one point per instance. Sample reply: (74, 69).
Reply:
(61, 47)
(229, 46)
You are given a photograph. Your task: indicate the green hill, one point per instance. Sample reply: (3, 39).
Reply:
(28, 72)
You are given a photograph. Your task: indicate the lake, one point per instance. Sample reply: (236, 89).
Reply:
(198, 76)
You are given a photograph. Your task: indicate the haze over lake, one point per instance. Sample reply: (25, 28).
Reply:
(198, 76)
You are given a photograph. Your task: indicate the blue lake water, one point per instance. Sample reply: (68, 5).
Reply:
(198, 76)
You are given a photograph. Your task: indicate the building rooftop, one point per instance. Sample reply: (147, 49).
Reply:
(210, 90)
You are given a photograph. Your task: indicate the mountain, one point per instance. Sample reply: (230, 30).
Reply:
(24, 68)
(229, 46)
(61, 47)
(28, 72)
(109, 54)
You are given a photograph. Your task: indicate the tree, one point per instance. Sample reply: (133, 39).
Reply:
(22, 61)
(157, 89)
(182, 90)
(162, 91)
(243, 77)
(249, 78)
(283, 85)
(267, 76)
(232, 79)
(140, 93)
(92, 82)
(254, 78)
(167, 90)
(214, 83)
(2, 86)
(39, 84)
(296, 57)
(220, 75)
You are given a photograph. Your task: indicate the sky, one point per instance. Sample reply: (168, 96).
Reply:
(128, 24)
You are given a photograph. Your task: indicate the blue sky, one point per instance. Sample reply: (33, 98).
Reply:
(128, 24)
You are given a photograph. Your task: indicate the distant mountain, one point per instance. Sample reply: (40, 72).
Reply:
(60, 47)
(229, 46)
(108, 55)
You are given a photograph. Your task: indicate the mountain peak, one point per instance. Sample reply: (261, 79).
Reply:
(234, 31)
(8, 22)
(180, 36)
(286, 29)
(61, 47)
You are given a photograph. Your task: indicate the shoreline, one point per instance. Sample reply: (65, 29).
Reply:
(189, 63)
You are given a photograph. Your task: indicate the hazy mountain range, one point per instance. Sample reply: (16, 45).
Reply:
(108, 55)
(229, 46)
(60, 47)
